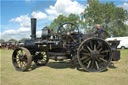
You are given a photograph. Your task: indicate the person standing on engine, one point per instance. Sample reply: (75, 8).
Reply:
(100, 31)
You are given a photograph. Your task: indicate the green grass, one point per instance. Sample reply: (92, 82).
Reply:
(62, 74)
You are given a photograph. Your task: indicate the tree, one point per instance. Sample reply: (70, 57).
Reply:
(12, 40)
(62, 19)
(1, 40)
(23, 39)
(108, 15)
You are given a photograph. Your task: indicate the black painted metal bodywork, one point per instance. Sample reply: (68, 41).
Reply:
(91, 53)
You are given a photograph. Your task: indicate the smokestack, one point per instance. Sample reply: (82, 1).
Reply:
(33, 28)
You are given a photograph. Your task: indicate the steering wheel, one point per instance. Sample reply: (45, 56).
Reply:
(68, 30)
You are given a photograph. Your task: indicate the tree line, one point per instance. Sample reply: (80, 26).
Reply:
(14, 40)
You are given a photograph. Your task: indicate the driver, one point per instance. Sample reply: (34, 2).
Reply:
(100, 31)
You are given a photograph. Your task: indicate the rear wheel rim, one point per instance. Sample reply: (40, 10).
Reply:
(94, 55)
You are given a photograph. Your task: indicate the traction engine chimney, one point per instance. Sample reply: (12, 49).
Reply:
(33, 28)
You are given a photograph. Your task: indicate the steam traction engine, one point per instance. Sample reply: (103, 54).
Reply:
(89, 52)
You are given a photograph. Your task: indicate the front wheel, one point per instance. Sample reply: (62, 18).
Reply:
(94, 55)
(21, 59)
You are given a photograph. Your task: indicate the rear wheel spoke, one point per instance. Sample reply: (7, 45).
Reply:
(105, 51)
(95, 47)
(100, 49)
(83, 58)
(83, 49)
(85, 54)
(97, 66)
(85, 61)
(89, 48)
(91, 44)
(99, 45)
(89, 63)
(103, 59)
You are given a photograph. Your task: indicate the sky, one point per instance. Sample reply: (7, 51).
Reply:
(15, 14)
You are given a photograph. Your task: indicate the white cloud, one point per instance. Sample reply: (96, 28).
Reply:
(38, 33)
(64, 7)
(124, 6)
(16, 34)
(39, 15)
(21, 32)
(24, 20)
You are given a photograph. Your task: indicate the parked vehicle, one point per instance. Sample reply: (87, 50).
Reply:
(123, 41)
(123, 44)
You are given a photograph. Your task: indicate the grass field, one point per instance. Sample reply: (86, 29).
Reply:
(62, 73)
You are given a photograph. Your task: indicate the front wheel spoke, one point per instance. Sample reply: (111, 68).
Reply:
(103, 59)
(97, 66)
(44, 60)
(22, 52)
(24, 62)
(18, 54)
(89, 63)
(19, 64)
(22, 65)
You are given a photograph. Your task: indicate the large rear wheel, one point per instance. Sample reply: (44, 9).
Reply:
(94, 55)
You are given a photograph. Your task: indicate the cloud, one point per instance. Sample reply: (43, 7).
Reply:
(124, 6)
(38, 33)
(64, 7)
(21, 32)
(39, 15)
(23, 20)
(16, 34)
